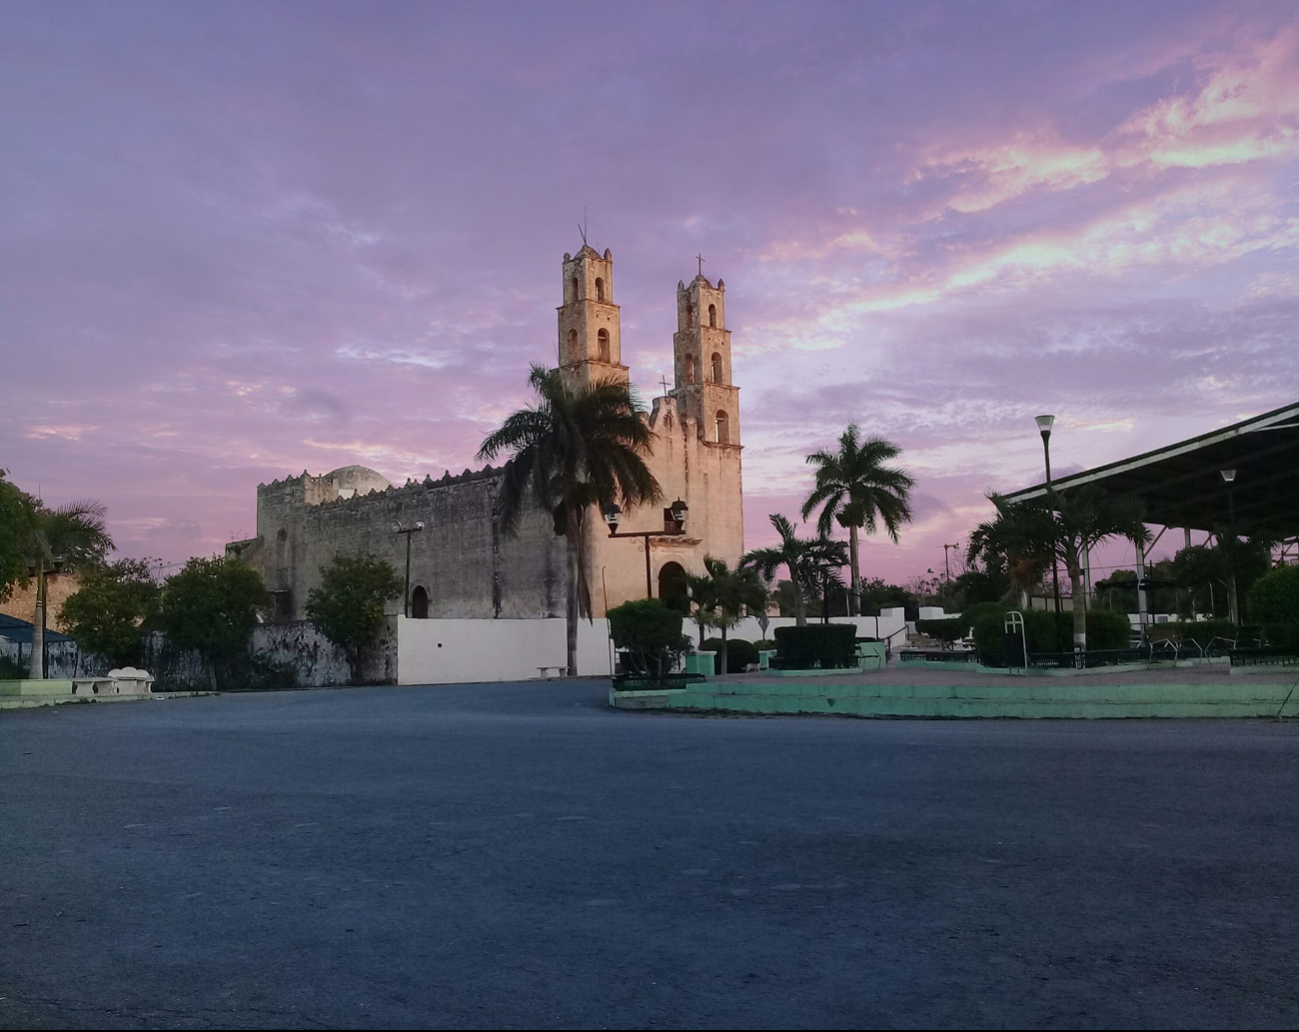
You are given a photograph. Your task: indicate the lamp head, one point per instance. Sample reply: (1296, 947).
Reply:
(1228, 475)
(679, 510)
(1044, 424)
(612, 514)
(419, 524)
(397, 527)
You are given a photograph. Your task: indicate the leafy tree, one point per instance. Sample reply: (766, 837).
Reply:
(725, 595)
(71, 537)
(349, 606)
(1206, 571)
(877, 595)
(1065, 526)
(1274, 598)
(803, 558)
(650, 633)
(855, 489)
(13, 539)
(107, 613)
(1003, 548)
(212, 606)
(573, 449)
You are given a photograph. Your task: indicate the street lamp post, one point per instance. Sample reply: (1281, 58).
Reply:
(674, 526)
(398, 528)
(1044, 424)
(1229, 478)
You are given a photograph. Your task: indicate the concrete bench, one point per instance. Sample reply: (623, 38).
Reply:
(125, 681)
(559, 671)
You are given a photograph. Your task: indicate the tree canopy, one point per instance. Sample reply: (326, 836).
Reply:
(349, 607)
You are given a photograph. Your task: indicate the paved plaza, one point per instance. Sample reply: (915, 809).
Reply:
(521, 856)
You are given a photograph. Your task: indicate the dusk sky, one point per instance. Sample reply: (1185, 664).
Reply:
(238, 241)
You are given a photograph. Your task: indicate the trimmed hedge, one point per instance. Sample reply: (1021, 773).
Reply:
(1047, 632)
(1106, 629)
(650, 634)
(739, 653)
(816, 645)
(947, 629)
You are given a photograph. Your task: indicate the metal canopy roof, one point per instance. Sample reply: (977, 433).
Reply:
(1182, 484)
(21, 631)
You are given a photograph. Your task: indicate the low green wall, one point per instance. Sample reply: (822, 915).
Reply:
(50, 686)
(1012, 699)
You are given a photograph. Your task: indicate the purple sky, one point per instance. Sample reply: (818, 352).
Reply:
(241, 240)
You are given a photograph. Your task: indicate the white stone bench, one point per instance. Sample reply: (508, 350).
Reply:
(125, 681)
(559, 671)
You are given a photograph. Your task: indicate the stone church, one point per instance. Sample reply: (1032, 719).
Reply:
(461, 565)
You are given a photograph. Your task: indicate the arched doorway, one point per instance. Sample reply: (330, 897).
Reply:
(672, 587)
(419, 604)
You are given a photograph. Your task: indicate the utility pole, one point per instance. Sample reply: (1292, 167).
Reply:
(397, 528)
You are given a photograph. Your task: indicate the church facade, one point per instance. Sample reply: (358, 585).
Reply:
(461, 564)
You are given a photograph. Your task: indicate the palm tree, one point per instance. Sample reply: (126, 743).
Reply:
(856, 490)
(803, 557)
(723, 595)
(1066, 526)
(71, 537)
(570, 450)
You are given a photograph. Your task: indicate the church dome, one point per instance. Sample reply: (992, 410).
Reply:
(357, 480)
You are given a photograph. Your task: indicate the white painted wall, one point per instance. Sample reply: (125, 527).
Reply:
(466, 651)
(462, 651)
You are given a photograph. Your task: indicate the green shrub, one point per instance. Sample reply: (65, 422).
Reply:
(1107, 629)
(739, 653)
(980, 610)
(765, 645)
(1045, 631)
(816, 645)
(947, 629)
(1274, 598)
(649, 633)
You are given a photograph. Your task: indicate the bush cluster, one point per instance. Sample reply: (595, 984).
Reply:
(739, 653)
(816, 645)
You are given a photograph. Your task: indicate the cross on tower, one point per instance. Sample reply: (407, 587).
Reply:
(701, 263)
(664, 381)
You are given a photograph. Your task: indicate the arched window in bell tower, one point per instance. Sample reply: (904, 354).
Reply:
(603, 339)
(717, 368)
(690, 369)
(712, 316)
(690, 315)
(572, 346)
(723, 428)
(573, 288)
(599, 289)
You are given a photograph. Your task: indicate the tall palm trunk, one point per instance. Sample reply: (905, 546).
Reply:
(1079, 605)
(37, 671)
(854, 595)
(724, 668)
(800, 606)
(570, 615)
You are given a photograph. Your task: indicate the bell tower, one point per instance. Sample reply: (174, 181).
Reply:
(702, 348)
(590, 336)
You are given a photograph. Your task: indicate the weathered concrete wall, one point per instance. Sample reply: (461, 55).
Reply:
(465, 651)
(62, 659)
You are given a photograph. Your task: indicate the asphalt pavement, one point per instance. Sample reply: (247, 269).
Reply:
(513, 856)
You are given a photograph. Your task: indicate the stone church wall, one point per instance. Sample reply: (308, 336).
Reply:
(468, 566)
